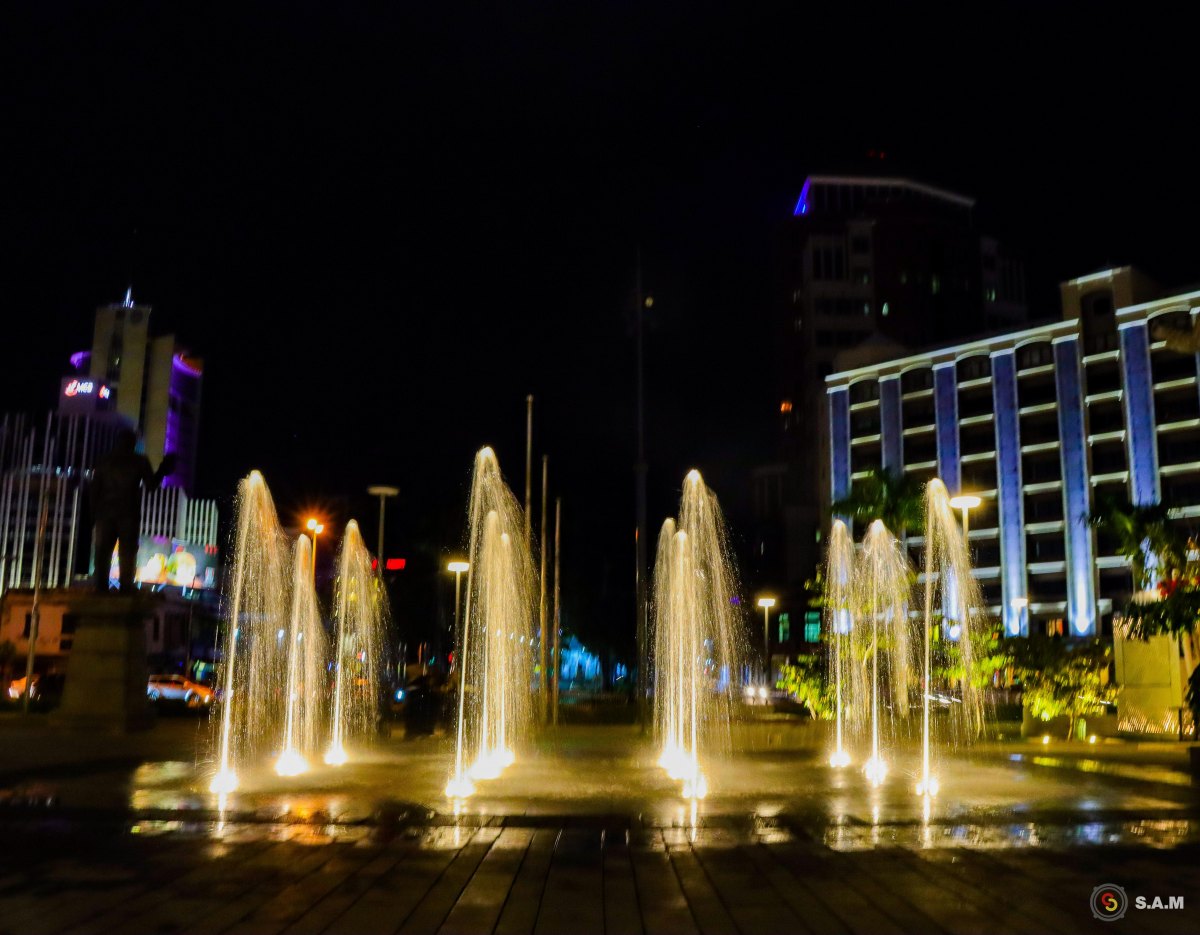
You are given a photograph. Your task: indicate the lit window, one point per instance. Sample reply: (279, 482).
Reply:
(884, 311)
(785, 628)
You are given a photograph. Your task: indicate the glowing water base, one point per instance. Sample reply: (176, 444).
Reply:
(696, 644)
(304, 646)
(253, 664)
(360, 647)
(495, 644)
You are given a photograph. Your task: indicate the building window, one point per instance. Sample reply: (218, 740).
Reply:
(812, 626)
(860, 245)
(785, 628)
(935, 284)
(69, 622)
(28, 625)
(65, 645)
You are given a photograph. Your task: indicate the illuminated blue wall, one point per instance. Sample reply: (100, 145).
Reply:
(1072, 434)
(890, 429)
(839, 442)
(945, 407)
(1010, 498)
(1141, 443)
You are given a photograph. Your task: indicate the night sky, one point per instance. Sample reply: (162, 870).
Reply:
(381, 226)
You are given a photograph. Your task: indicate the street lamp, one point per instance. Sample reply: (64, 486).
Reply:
(766, 603)
(458, 567)
(382, 493)
(965, 502)
(315, 529)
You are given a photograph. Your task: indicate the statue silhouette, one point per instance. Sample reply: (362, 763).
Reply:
(116, 497)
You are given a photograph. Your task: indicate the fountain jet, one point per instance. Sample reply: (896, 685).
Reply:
(252, 666)
(495, 645)
(305, 650)
(696, 637)
(360, 651)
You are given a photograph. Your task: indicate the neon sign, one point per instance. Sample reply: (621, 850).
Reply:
(86, 388)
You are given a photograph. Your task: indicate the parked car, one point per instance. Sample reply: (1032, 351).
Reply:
(179, 689)
(47, 690)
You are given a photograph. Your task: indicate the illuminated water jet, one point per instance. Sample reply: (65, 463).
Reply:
(839, 602)
(360, 615)
(305, 650)
(252, 666)
(495, 645)
(696, 638)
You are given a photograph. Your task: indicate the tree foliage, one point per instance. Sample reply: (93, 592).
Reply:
(1062, 677)
(896, 499)
(805, 683)
(1144, 535)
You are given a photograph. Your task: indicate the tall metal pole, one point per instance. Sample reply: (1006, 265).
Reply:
(457, 605)
(528, 469)
(35, 611)
(640, 533)
(767, 642)
(543, 686)
(382, 493)
(557, 604)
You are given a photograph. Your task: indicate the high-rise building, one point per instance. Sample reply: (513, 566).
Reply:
(148, 380)
(128, 379)
(875, 261)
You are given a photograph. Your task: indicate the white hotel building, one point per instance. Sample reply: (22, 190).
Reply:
(1039, 423)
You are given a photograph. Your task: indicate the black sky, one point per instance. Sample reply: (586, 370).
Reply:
(382, 225)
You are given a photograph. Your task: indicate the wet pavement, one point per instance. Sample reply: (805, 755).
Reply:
(585, 833)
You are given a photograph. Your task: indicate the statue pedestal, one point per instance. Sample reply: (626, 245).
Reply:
(105, 687)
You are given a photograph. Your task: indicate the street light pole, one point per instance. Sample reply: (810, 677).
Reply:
(543, 688)
(458, 568)
(766, 603)
(640, 532)
(316, 529)
(528, 469)
(382, 493)
(557, 605)
(35, 612)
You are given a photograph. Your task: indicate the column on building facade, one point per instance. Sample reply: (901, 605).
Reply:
(945, 407)
(1010, 498)
(1141, 437)
(1076, 488)
(891, 430)
(839, 442)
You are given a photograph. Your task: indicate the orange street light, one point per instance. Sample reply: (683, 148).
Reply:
(315, 529)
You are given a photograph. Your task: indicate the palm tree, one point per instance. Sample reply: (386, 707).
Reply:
(896, 499)
(1144, 535)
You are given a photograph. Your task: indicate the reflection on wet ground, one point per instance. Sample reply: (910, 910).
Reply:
(608, 776)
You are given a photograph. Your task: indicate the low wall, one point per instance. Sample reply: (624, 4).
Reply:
(768, 733)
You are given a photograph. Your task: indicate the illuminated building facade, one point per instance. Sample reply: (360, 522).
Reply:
(1041, 423)
(876, 260)
(128, 379)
